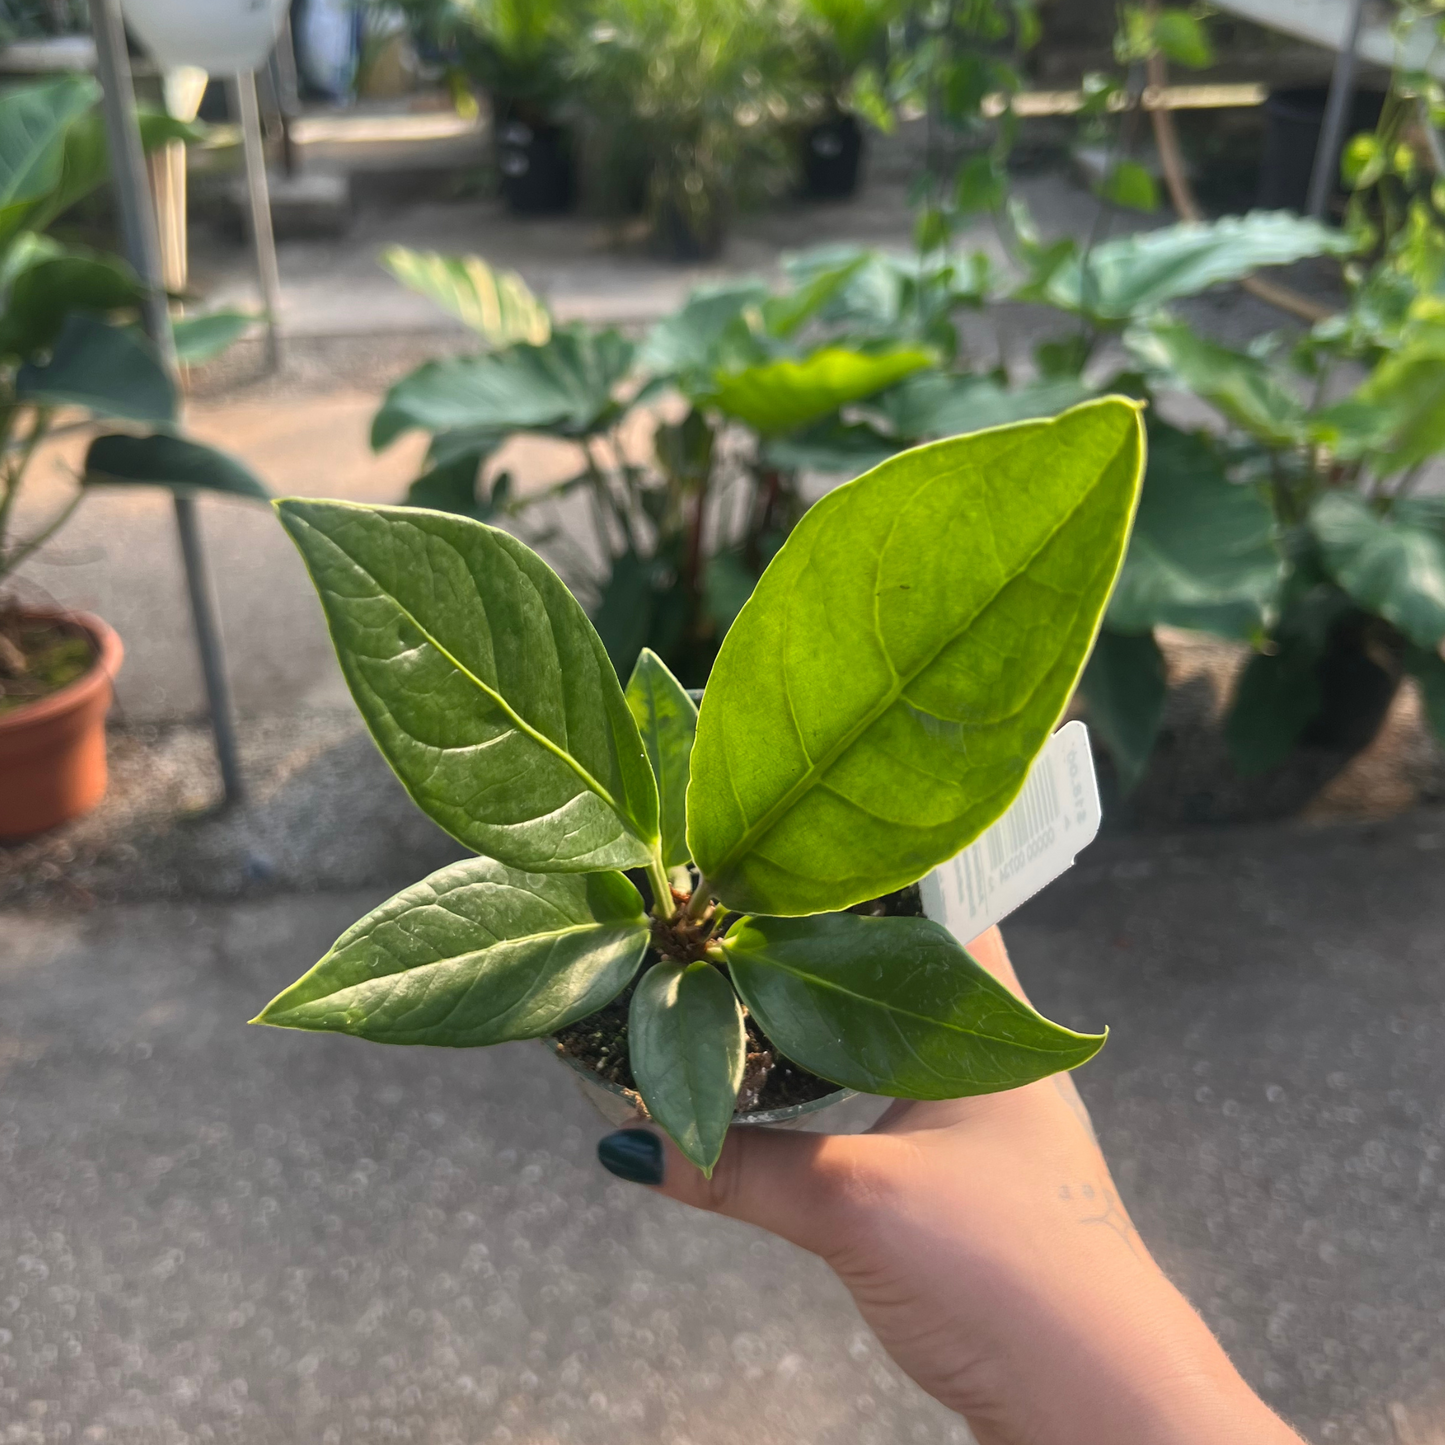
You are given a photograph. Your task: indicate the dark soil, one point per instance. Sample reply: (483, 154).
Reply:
(770, 1081)
(39, 656)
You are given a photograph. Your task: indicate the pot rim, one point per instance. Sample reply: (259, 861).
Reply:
(109, 651)
(752, 1118)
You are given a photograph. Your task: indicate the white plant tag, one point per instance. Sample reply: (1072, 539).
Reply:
(1053, 819)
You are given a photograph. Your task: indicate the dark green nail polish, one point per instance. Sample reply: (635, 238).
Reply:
(633, 1155)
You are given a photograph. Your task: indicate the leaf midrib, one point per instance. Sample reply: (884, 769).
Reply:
(548, 936)
(827, 984)
(809, 780)
(541, 739)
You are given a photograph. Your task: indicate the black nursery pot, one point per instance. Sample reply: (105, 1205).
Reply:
(1359, 674)
(832, 156)
(1292, 123)
(535, 158)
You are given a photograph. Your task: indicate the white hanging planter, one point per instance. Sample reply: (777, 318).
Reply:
(225, 37)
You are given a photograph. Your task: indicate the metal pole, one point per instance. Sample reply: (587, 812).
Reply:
(1337, 113)
(263, 239)
(142, 243)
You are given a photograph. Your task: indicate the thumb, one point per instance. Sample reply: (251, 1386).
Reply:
(791, 1184)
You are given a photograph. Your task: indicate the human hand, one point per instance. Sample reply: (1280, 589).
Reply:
(985, 1244)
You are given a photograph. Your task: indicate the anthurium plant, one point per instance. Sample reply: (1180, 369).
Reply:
(875, 706)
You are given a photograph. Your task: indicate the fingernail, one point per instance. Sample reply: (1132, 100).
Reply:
(632, 1154)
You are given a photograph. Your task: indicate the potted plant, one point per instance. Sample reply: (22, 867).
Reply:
(875, 706)
(702, 89)
(68, 344)
(758, 381)
(516, 51)
(845, 35)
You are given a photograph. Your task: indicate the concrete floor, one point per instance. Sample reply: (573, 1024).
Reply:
(215, 1232)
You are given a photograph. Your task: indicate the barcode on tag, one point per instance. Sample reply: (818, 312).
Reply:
(1055, 816)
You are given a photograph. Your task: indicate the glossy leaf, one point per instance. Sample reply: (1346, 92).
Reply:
(781, 396)
(483, 683)
(475, 954)
(205, 335)
(1137, 274)
(893, 1006)
(565, 387)
(1125, 685)
(879, 699)
(497, 305)
(162, 460)
(108, 370)
(44, 294)
(687, 1047)
(1393, 567)
(1203, 554)
(667, 719)
(1242, 387)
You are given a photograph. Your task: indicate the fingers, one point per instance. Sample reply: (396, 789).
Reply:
(790, 1184)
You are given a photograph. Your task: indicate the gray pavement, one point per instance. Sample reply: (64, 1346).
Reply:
(215, 1232)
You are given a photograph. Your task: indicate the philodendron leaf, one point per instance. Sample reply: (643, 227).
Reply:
(1126, 685)
(780, 396)
(498, 305)
(483, 683)
(109, 370)
(206, 335)
(162, 460)
(475, 954)
(893, 1006)
(667, 719)
(879, 699)
(1203, 553)
(1394, 567)
(687, 1046)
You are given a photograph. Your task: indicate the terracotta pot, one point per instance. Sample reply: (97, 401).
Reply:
(52, 750)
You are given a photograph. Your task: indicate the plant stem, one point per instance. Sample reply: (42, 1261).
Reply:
(662, 903)
(701, 897)
(13, 475)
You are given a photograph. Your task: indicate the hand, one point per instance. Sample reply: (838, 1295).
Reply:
(985, 1244)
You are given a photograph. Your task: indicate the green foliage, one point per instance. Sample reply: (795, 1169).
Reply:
(497, 305)
(204, 335)
(476, 954)
(1125, 686)
(519, 675)
(1128, 184)
(816, 788)
(68, 337)
(937, 612)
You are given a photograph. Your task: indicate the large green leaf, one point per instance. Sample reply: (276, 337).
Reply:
(1125, 685)
(879, 699)
(780, 396)
(565, 386)
(932, 404)
(33, 122)
(687, 1046)
(476, 954)
(1393, 567)
(1203, 553)
(667, 719)
(1136, 274)
(497, 305)
(1277, 696)
(831, 445)
(162, 460)
(44, 294)
(1242, 387)
(893, 1006)
(1402, 407)
(484, 685)
(687, 341)
(108, 370)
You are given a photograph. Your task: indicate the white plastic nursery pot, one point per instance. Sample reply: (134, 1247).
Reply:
(225, 37)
